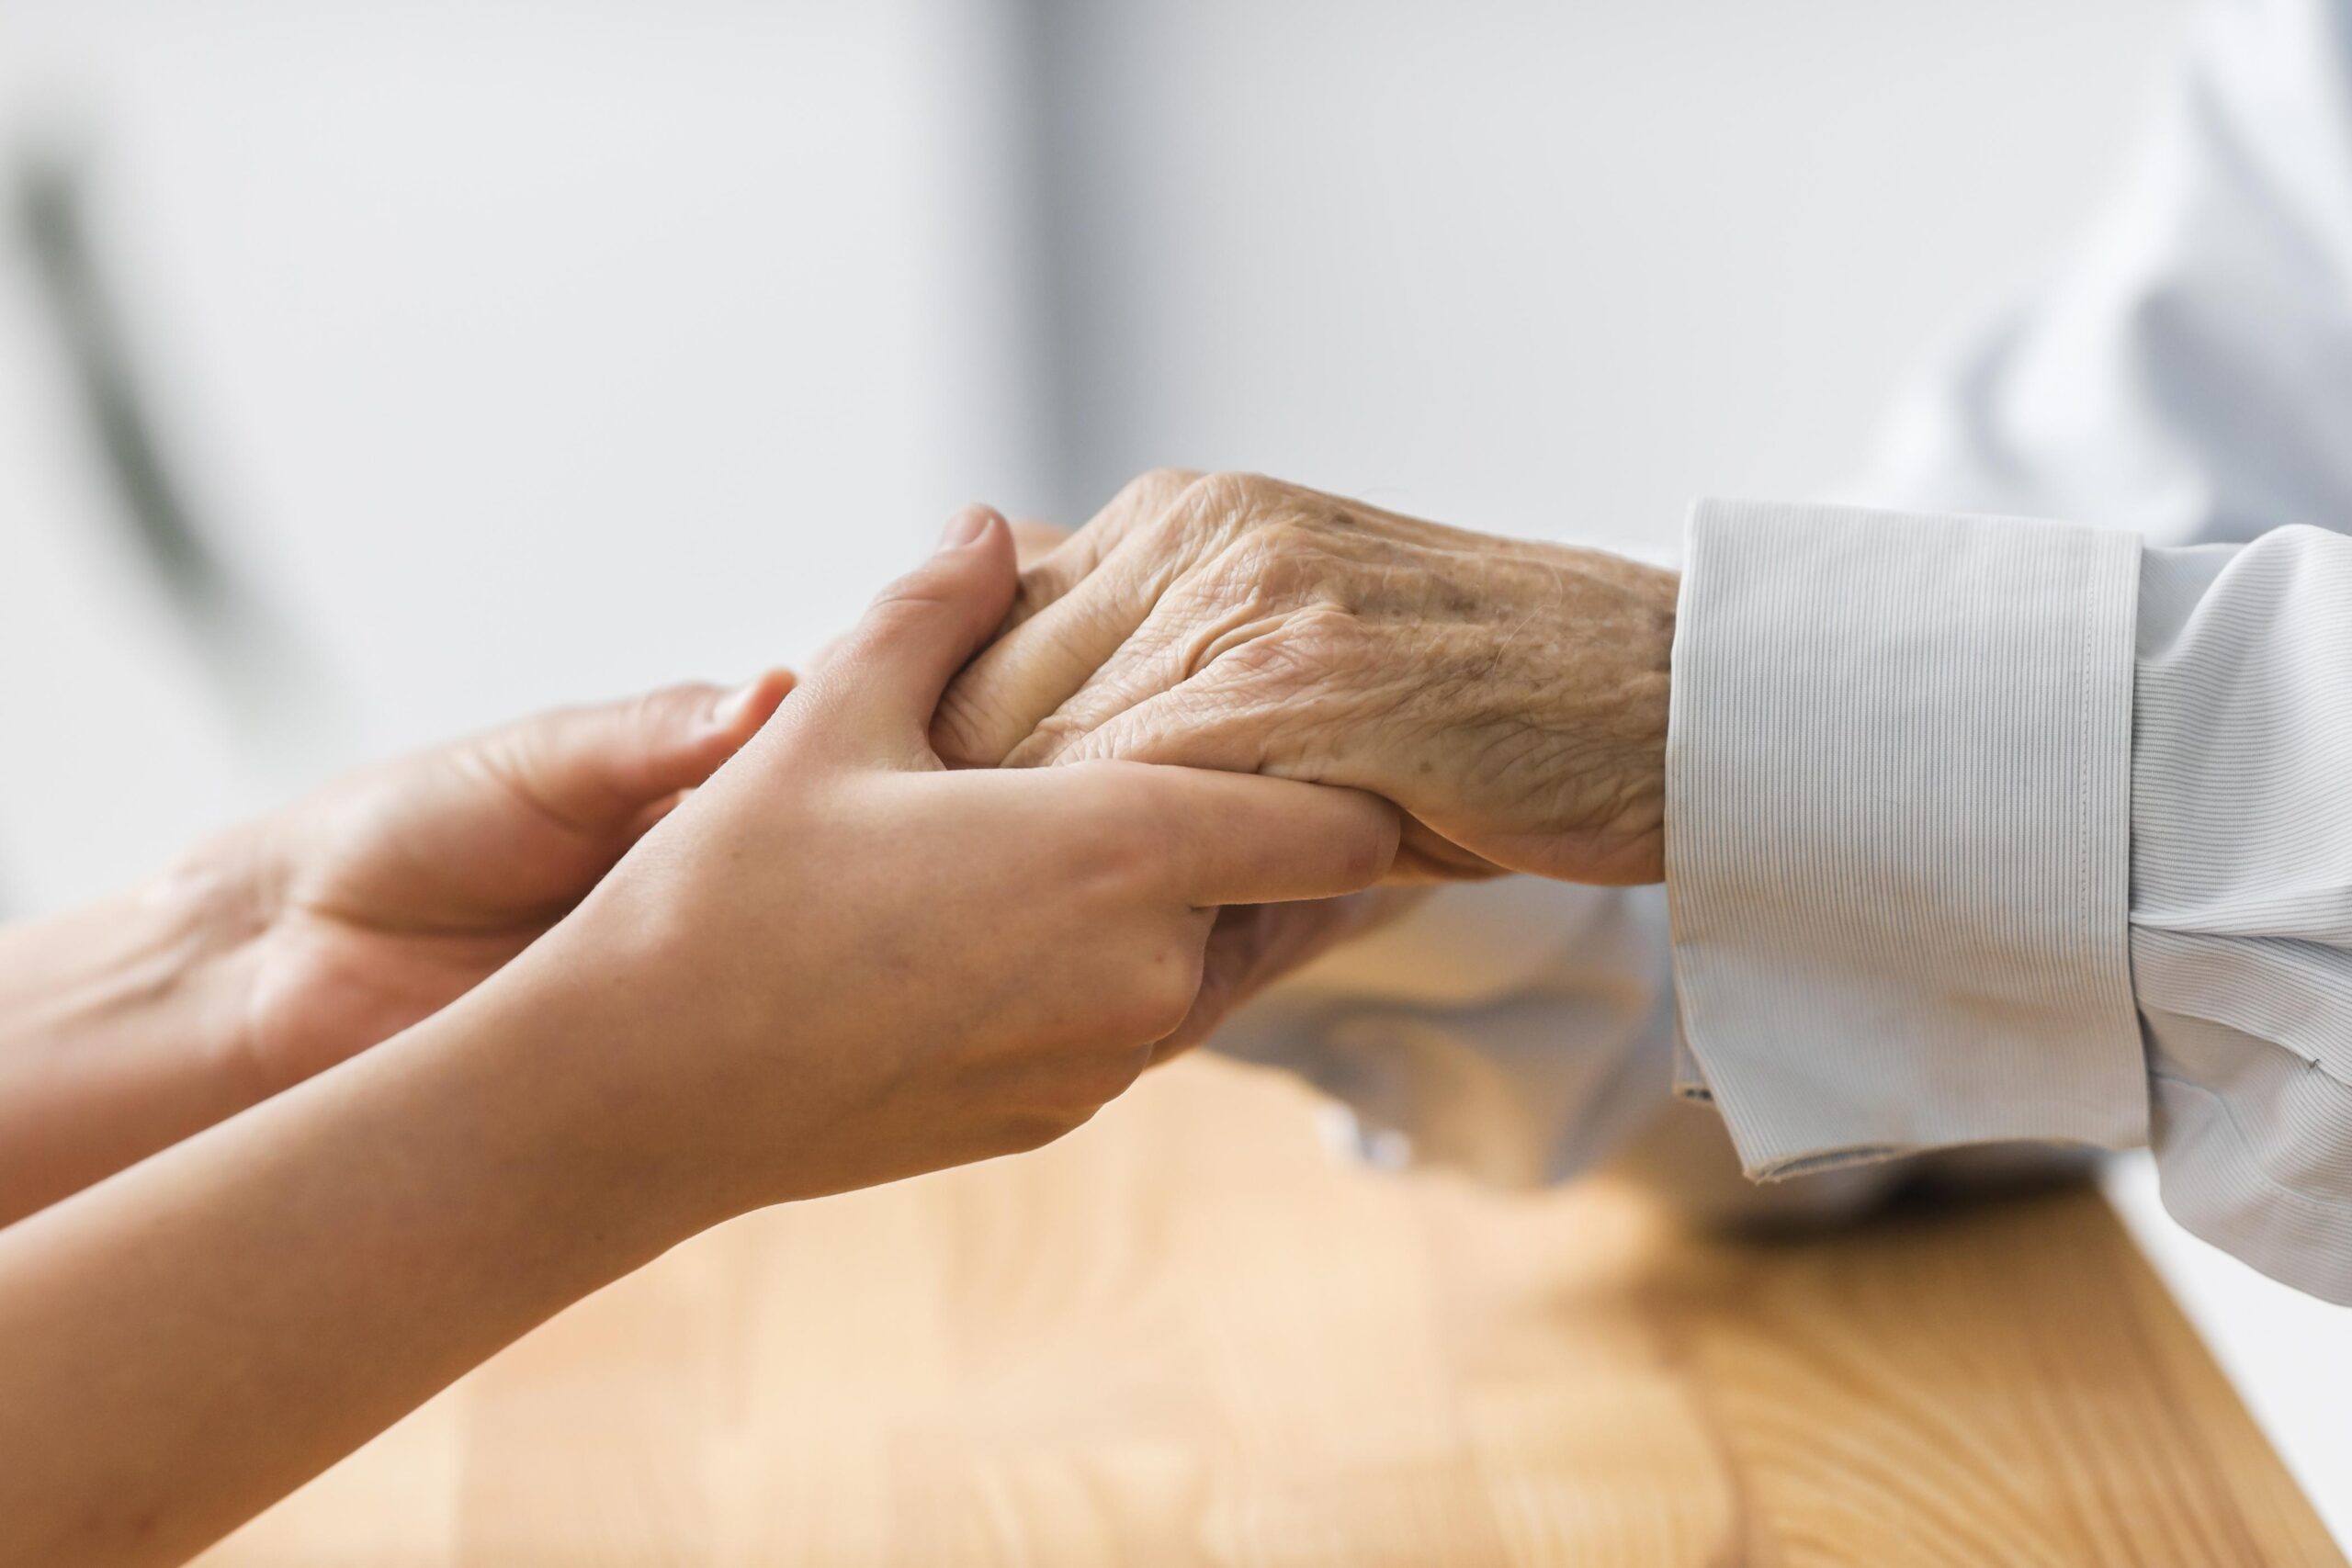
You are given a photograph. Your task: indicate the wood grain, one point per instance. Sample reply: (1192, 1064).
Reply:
(1188, 1335)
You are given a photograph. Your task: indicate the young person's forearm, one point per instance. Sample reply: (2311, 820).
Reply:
(120, 1034)
(187, 1342)
(796, 986)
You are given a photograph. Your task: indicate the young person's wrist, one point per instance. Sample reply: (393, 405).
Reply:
(578, 1029)
(205, 918)
(121, 1032)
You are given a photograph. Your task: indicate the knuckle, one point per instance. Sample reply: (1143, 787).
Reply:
(1050, 735)
(1210, 499)
(1294, 548)
(1283, 561)
(1313, 643)
(1057, 574)
(913, 606)
(961, 730)
(1039, 587)
(1143, 505)
(919, 592)
(943, 582)
(1192, 517)
(1156, 488)
(1326, 635)
(892, 616)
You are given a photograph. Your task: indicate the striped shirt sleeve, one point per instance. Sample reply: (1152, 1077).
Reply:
(1983, 829)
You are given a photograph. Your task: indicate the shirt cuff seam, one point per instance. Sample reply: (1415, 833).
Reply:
(2251, 1148)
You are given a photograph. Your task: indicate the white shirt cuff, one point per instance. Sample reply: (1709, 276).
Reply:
(1898, 832)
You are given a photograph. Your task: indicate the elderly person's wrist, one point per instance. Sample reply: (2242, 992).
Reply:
(1603, 713)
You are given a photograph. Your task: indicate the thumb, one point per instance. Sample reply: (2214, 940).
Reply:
(886, 675)
(597, 769)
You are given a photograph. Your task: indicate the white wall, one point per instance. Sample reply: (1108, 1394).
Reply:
(521, 353)
(533, 351)
(1554, 268)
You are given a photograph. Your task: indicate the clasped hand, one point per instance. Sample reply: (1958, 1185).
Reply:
(812, 953)
(801, 951)
(1511, 696)
(646, 967)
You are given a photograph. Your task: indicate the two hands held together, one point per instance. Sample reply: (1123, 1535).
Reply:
(880, 966)
(887, 937)
(637, 969)
(826, 942)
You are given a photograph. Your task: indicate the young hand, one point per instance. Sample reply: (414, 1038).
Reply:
(387, 895)
(840, 962)
(834, 963)
(286, 947)
(1256, 945)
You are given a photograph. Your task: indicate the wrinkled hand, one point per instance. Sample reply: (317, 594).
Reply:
(389, 893)
(840, 963)
(1511, 696)
(1254, 945)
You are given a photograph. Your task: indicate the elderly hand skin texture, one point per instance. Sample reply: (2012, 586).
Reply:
(1509, 695)
(889, 967)
(1253, 946)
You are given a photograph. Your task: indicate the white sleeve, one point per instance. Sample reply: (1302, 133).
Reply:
(2185, 375)
(1898, 803)
(1982, 830)
(2242, 895)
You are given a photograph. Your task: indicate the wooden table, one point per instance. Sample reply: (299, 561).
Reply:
(1188, 1335)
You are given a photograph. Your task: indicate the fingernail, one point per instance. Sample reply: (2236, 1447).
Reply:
(966, 527)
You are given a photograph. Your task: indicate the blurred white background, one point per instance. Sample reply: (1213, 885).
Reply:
(507, 353)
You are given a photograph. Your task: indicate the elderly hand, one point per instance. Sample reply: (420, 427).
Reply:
(840, 963)
(1254, 945)
(1511, 696)
(836, 963)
